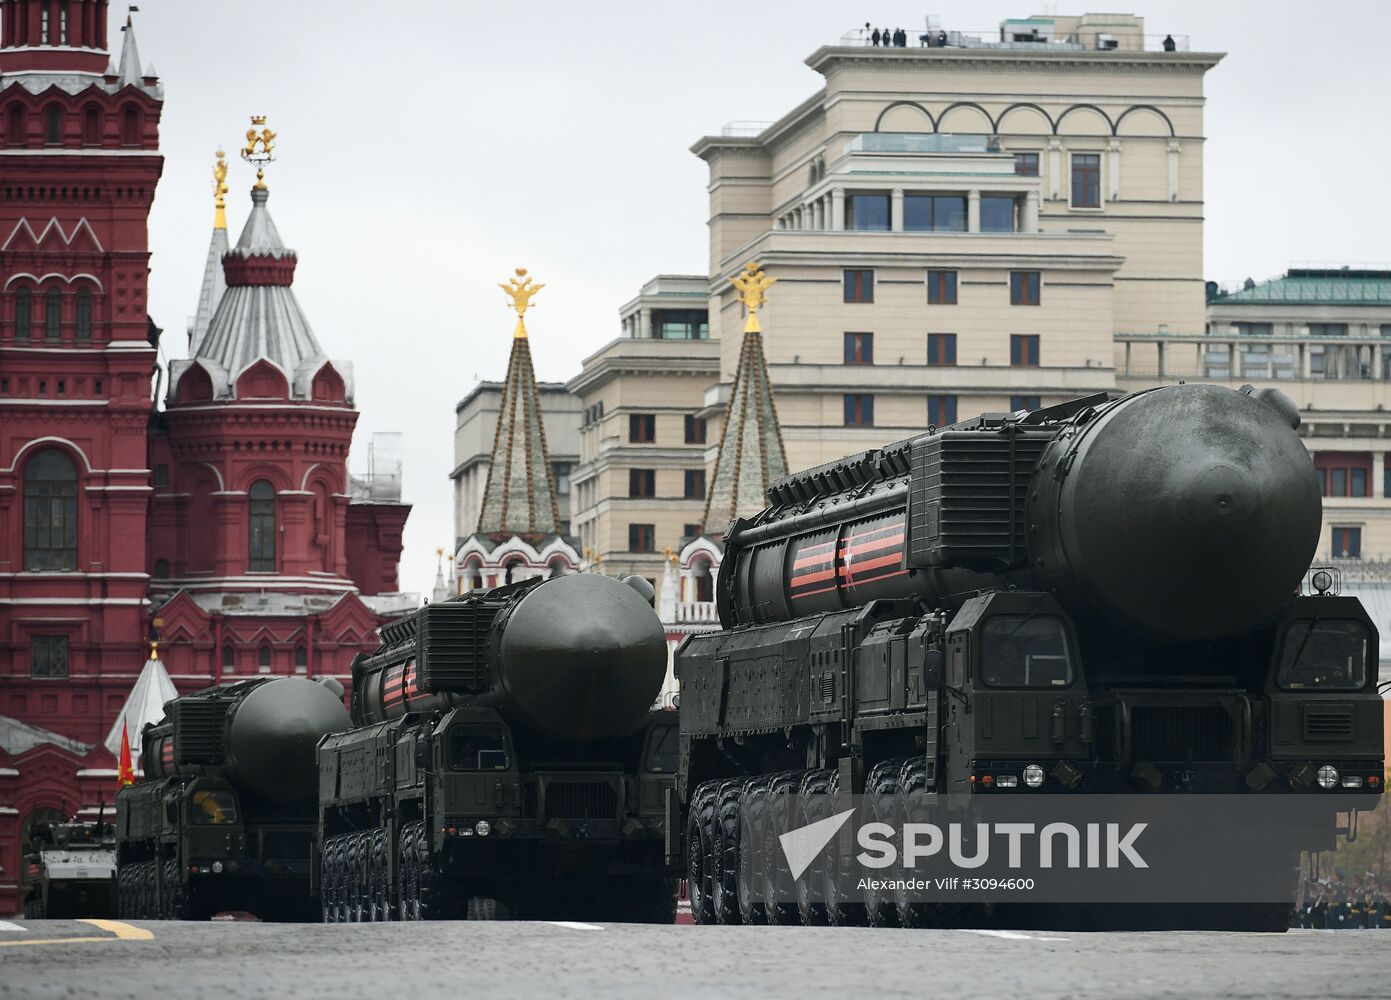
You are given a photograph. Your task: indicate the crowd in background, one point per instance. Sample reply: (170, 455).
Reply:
(1343, 903)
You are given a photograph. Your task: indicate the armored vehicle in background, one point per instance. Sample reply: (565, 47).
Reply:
(224, 818)
(1098, 596)
(69, 871)
(507, 761)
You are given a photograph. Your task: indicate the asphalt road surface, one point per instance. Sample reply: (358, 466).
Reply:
(141, 961)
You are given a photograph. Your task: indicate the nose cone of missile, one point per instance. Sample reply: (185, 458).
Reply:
(1195, 512)
(274, 733)
(583, 657)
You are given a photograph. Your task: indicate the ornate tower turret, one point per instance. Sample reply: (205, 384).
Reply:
(751, 454)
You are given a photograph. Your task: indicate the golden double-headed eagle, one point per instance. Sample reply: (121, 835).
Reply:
(752, 285)
(520, 292)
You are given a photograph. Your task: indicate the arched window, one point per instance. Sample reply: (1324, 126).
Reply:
(262, 536)
(161, 569)
(84, 314)
(62, 22)
(704, 582)
(53, 123)
(45, 23)
(229, 660)
(130, 127)
(53, 314)
(23, 314)
(50, 512)
(91, 127)
(14, 128)
(263, 660)
(301, 660)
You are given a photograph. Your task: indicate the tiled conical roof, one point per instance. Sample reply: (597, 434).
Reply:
(751, 454)
(519, 496)
(257, 318)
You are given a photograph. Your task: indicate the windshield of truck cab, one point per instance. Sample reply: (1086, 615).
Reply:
(1025, 651)
(662, 747)
(213, 808)
(477, 748)
(1324, 655)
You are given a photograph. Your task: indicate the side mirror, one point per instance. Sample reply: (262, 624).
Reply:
(933, 661)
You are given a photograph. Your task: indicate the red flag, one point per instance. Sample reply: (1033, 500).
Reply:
(126, 773)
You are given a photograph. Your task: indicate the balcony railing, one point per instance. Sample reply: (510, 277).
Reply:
(1093, 40)
(697, 613)
(743, 130)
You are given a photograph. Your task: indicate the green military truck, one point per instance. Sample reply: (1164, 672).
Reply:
(223, 819)
(506, 761)
(68, 871)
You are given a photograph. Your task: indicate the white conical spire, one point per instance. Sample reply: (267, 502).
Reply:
(131, 72)
(144, 704)
(214, 285)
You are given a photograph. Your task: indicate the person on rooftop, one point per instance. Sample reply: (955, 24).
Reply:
(874, 38)
(1169, 44)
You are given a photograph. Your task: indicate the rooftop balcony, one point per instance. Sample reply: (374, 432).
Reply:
(1089, 33)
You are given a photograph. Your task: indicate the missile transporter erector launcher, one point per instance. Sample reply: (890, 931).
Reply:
(506, 760)
(225, 815)
(1095, 597)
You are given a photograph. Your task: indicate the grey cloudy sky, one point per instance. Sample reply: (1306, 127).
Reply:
(430, 146)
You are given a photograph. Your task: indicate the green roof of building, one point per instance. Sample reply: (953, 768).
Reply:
(1304, 286)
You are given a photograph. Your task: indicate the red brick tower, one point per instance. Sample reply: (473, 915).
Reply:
(265, 556)
(79, 161)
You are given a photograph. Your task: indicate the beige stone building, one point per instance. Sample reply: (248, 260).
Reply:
(964, 228)
(640, 484)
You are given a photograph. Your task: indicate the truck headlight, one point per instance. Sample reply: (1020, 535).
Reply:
(217, 865)
(482, 828)
(1033, 776)
(1328, 776)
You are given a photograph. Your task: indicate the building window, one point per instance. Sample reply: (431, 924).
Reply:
(642, 428)
(263, 659)
(130, 127)
(262, 536)
(561, 472)
(91, 127)
(642, 538)
(690, 530)
(695, 429)
(867, 212)
(1017, 403)
(161, 569)
(941, 350)
(1023, 350)
(642, 483)
(996, 214)
(1086, 180)
(23, 314)
(229, 660)
(939, 213)
(1026, 164)
(1344, 473)
(1254, 329)
(1386, 480)
(84, 314)
(53, 125)
(941, 288)
(62, 22)
(859, 409)
(161, 475)
(1347, 543)
(43, 25)
(53, 314)
(681, 324)
(859, 285)
(1024, 288)
(1386, 329)
(859, 348)
(48, 656)
(941, 410)
(50, 512)
(695, 484)
(1328, 329)
(301, 660)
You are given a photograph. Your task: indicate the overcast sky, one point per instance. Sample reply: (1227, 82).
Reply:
(427, 147)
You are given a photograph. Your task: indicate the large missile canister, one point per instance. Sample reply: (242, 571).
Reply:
(1188, 512)
(272, 735)
(574, 658)
(580, 657)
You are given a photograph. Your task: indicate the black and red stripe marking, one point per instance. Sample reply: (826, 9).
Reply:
(399, 685)
(867, 553)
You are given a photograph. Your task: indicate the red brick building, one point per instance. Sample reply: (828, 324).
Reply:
(227, 523)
